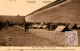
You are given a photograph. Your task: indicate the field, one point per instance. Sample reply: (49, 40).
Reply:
(16, 36)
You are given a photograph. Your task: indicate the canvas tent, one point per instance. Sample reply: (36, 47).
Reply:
(72, 26)
(62, 29)
(66, 29)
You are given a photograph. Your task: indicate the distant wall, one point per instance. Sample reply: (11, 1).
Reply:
(13, 19)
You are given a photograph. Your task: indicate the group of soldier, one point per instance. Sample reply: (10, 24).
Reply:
(4, 24)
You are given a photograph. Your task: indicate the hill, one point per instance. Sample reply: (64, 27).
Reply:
(67, 11)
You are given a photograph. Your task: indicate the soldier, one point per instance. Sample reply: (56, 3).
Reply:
(48, 25)
(27, 26)
(1, 26)
(6, 23)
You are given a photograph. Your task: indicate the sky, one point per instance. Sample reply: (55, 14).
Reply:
(21, 7)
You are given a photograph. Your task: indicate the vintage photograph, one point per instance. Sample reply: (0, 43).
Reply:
(45, 23)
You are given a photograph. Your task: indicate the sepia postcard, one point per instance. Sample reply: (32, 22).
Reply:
(39, 25)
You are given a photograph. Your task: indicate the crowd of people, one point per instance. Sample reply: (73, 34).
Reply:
(4, 24)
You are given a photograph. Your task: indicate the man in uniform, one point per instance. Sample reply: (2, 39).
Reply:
(6, 23)
(27, 26)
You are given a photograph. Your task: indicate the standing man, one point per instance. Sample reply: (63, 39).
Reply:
(6, 23)
(26, 26)
(49, 25)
